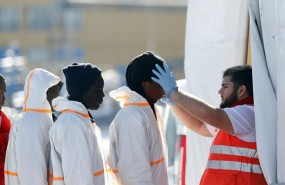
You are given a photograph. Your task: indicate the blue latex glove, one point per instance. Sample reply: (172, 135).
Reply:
(165, 79)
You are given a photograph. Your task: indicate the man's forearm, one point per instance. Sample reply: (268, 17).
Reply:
(201, 110)
(190, 121)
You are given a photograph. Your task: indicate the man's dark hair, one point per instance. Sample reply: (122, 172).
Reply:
(1, 77)
(241, 75)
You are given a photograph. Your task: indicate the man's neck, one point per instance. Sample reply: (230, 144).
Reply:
(248, 100)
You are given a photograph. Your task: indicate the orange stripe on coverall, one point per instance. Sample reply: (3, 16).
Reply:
(151, 163)
(99, 173)
(136, 104)
(52, 178)
(111, 170)
(57, 178)
(36, 110)
(122, 97)
(157, 162)
(10, 173)
(72, 111)
(28, 89)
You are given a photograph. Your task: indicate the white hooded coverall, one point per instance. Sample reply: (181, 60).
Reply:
(137, 153)
(76, 151)
(28, 150)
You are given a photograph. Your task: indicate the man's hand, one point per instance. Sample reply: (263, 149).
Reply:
(165, 79)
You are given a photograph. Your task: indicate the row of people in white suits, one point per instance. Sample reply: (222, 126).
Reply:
(69, 151)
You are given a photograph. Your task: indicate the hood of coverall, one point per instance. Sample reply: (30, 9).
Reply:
(125, 96)
(37, 83)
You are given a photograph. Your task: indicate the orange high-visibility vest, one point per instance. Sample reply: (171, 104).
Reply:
(232, 162)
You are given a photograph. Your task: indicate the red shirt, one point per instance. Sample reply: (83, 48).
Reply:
(5, 125)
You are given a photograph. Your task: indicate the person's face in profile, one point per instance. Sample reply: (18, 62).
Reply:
(228, 93)
(93, 98)
(152, 90)
(53, 92)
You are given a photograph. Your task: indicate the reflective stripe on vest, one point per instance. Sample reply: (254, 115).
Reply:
(231, 150)
(239, 166)
(231, 158)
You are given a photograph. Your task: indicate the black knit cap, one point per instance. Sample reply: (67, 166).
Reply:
(79, 78)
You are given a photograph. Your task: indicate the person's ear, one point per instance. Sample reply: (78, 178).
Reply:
(242, 91)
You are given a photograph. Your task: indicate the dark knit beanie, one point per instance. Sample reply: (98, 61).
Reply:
(79, 78)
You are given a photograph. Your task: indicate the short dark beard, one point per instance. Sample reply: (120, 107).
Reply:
(230, 101)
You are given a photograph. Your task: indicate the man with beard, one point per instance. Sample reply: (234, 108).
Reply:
(233, 156)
